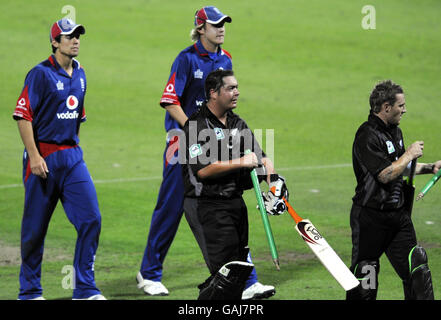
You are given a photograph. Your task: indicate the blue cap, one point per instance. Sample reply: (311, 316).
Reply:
(211, 15)
(65, 26)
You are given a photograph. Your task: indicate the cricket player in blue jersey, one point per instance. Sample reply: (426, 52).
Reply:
(183, 95)
(48, 113)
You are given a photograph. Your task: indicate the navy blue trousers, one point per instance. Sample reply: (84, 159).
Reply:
(68, 181)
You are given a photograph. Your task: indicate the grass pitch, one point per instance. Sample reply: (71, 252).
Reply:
(305, 69)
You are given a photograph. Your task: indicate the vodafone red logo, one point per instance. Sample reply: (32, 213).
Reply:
(71, 102)
(21, 102)
(170, 87)
(169, 95)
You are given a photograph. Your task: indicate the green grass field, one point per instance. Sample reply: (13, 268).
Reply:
(305, 69)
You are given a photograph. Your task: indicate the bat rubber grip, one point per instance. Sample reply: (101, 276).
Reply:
(292, 212)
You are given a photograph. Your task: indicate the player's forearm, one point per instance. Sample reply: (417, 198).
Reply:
(177, 113)
(218, 169)
(269, 168)
(395, 169)
(27, 136)
(424, 168)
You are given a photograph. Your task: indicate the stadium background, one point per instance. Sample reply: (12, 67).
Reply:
(305, 69)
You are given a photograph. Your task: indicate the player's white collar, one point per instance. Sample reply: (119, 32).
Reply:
(78, 63)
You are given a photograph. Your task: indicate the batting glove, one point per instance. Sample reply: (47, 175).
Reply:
(273, 205)
(273, 201)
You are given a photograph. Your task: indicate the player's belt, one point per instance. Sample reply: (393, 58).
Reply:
(45, 150)
(48, 148)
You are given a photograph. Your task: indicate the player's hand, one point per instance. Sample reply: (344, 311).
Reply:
(278, 186)
(436, 166)
(273, 205)
(38, 166)
(249, 161)
(416, 149)
(273, 200)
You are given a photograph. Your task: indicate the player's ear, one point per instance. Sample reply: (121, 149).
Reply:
(213, 94)
(201, 30)
(386, 106)
(55, 43)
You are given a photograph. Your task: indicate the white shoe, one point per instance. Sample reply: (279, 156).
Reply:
(152, 288)
(258, 291)
(94, 297)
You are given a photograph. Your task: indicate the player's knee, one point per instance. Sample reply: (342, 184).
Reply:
(94, 219)
(366, 272)
(417, 258)
(418, 286)
(89, 224)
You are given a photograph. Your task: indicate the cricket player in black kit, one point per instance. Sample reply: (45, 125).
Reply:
(381, 211)
(216, 172)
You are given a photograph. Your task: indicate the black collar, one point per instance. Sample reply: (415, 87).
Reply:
(379, 124)
(210, 115)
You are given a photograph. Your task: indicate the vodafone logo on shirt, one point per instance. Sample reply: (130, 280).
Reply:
(170, 88)
(71, 104)
(23, 108)
(21, 103)
(169, 96)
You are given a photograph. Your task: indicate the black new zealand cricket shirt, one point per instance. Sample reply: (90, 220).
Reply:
(375, 147)
(208, 140)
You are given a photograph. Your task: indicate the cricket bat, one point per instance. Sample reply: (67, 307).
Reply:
(323, 251)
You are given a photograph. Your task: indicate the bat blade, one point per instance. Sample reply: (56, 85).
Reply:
(327, 256)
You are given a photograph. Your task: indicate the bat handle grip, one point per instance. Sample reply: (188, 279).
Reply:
(292, 212)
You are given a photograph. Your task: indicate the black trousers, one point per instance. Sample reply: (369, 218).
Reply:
(220, 227)
(377, 232)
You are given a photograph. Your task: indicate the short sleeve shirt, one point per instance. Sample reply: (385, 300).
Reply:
(208, 140)
(54, 102)
(375, 147)
(185, 86)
